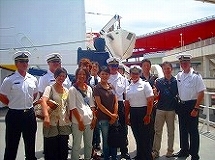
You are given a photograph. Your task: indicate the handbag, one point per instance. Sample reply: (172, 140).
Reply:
(115, 135)
(52, 105)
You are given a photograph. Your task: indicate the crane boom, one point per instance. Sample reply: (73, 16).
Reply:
(107, 27)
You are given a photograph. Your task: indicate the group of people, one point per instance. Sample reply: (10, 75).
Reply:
(98, 98)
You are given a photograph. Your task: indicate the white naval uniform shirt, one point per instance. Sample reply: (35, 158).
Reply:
(137, 93)
(92, 80)
(189, 85)
(119, 83)
(48, 79)
(20, 90)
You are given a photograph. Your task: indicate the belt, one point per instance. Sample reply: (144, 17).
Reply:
(187, 102)
(21, 110)
(138, 107)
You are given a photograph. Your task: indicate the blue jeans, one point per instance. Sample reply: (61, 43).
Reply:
(107, 151)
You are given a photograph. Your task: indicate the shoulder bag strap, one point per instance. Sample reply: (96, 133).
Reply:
(83, 94)
(176, 96)
(51, 93)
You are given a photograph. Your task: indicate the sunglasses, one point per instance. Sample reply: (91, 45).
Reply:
(55, 61)
(114, 65)
(23, 61)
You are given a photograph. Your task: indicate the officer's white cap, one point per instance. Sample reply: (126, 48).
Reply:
(54, 57)
(135, 69)
(184, 57)
(112, 60)
(21, 55)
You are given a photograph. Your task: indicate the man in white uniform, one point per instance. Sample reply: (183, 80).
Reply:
(18, 91)
(191, 93)
(120, 83)
(54, 62)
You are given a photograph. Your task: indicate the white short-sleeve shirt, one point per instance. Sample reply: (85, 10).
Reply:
(189, 85)
(76, 100)
(137, 93)
(119, 83)
(92, 80)
(20, 90)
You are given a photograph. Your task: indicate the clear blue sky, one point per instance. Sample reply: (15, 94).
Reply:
(144, 16)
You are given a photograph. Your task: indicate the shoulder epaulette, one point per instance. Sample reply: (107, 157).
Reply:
(43, 74)
(10, 74)
(195, 72)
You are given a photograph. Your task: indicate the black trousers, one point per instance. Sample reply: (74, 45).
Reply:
(152, 123)
(56, 148)
(121, 114)
(188, 128)
(141, 133)
(20, 122)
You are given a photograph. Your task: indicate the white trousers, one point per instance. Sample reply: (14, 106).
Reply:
(77, 135)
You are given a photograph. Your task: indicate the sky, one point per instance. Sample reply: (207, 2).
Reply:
(145, 16)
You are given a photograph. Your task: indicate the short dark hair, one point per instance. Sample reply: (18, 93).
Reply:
(166, 63)
(105, 69)
(146, 60)
(96, 63)
(58, 71)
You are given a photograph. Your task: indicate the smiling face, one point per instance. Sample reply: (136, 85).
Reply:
(22, 66)
(104, 76)
(146, 66)
(60, 75)
(94, 69)
(113, 68)
(185, 65)
(53, 65)
(135, 76)
(167, 69)
(81, 75)
(61, 78)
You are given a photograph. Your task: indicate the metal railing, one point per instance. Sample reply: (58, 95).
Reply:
(206, 111)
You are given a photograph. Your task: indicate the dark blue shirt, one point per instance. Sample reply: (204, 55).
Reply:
(168, 90)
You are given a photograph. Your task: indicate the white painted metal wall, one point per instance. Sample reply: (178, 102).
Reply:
(42, 27)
